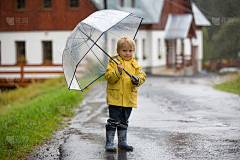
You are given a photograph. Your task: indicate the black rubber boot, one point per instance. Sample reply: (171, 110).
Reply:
(122, 139)
(110, 133)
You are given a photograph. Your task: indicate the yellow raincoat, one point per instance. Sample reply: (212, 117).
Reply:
(120, 89)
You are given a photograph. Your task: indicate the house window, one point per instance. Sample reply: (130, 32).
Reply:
(47, 52)
(73, 3)
(20, 46)
(20, 4)
(144, 49)
(47, 3)
(121, 3)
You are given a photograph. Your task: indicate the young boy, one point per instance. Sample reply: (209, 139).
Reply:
(122, 92)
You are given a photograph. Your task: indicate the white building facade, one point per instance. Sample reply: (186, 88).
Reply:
(156, 53)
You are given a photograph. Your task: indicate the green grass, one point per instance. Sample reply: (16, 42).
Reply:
(232, 86)
(29, 116)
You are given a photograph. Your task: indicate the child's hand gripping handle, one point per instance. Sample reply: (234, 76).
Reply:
(126, 71)
(131, 75)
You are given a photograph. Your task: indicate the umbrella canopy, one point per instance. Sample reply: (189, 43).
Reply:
(85, 55)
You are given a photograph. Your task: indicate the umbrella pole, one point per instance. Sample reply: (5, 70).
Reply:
(109, 56)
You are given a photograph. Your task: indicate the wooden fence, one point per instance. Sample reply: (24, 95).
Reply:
(21, 74)
(218, 64)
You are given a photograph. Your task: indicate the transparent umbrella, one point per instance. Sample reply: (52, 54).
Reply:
(85, 57)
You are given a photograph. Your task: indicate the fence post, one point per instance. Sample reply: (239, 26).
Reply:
(22, 73)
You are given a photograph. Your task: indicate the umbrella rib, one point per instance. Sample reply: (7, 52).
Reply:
(108, 55)
(118, 22)
(89, 49)
(72, 38)
(91, 32)
(93, 81)
(73, 68)
(77, 47)
(138, 28)
(97, 57)
(76, 44)
(99, 46)
(77, 38)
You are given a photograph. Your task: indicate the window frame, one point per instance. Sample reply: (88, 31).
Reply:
(46, 9)
(72, 8)
(44, 54)
(19, 9)
(18, 56)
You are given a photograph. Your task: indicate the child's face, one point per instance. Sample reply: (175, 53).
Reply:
(126, 52)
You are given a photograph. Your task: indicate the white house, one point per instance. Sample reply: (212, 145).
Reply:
(170, 39)
(33, 36)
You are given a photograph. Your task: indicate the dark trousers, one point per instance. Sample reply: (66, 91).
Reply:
(118, 116)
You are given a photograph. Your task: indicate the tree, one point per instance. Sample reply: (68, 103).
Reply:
(221, 40)
(226, 43)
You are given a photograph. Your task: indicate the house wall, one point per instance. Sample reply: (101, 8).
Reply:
(154, 46)
(34, 17)
(158, 37)
(33, 44)
(55, 26)
(33, 51)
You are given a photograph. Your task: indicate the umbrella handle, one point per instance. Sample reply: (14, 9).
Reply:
(124, 70)
(131, 75)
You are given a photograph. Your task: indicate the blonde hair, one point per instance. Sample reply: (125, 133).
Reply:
(125, 40)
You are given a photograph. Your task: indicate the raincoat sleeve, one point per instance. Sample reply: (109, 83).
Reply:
(141, 77)
(112, 74)
(139, 73)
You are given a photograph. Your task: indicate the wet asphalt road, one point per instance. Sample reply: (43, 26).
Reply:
(176, 118)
